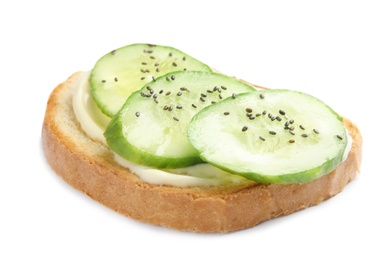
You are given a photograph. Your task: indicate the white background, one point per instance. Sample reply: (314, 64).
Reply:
(337, 51)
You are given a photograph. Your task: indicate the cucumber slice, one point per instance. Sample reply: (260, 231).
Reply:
(270, 136)
(151, 127)
(121, 72)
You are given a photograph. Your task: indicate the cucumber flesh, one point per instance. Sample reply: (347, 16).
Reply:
(121, 72)
(151, 127)
(270, 136)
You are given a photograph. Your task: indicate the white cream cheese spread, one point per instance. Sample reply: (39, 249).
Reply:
(94, 122)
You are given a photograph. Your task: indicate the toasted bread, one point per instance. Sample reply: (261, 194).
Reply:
(89, 166)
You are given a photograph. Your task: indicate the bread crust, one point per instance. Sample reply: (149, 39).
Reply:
(89, 166)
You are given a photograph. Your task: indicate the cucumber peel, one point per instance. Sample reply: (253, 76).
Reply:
(121, 72)
(151, 127)
(270, 136)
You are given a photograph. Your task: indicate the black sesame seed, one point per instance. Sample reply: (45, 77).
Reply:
(113, 52)
(179, 107)
(174, 64)
(220, 96)
(251, 117)
(258, 114)
(234, 95)
(264, 112)
(278, 118)
(137, 114)
(339, 137)
(213, 102)
(262, 138)
(116, 79)
(223, 87)
(304, 135)
(166, 107)
(170, 108)
(184, 58)
(154, 79)
(203, 95)
(168, 93)
(142, 78)
(155, 96)
(152, 57)
(172, 77)
(226, 113)
(170, 54)
(244, 128)
(167, 78)
(291, 141)
(291, 121)
(179, 93)
(161, 91)
(209, 91)
(175, 118)
(249, 110)
(202, 99)
(291, 132)
(156, 64)
(194, 106)
(144, 63)
(157, 70)
(282, 112)
(261, 96)
(272, 132)
(301, 127)
(316, 131)
(291, 128)
(147, 70)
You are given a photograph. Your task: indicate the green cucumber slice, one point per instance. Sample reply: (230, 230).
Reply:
(151, 127)
(121, 72)
(270, 136)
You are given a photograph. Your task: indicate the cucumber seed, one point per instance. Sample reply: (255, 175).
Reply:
(304, 135)
(316, 131)
(244, 128)
(261, 96)
(226, 113)
(339, 137)
(262, 138)
(137, 114)
(291, 141)
(272, 132)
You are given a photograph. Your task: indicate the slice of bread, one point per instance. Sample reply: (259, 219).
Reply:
(89, 166)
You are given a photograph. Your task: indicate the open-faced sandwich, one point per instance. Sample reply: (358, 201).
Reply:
(159, 136)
